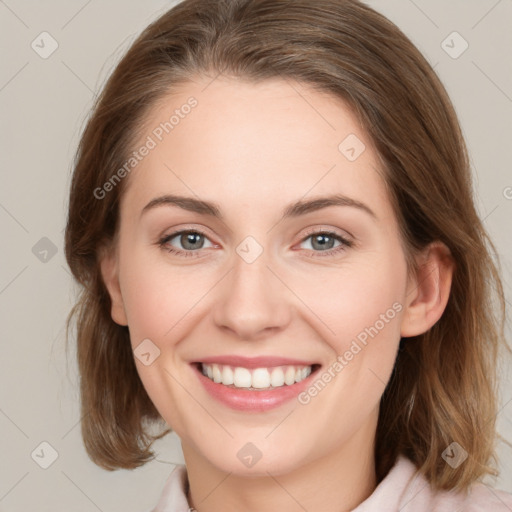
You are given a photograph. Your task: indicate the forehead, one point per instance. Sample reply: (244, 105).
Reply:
(240, 143)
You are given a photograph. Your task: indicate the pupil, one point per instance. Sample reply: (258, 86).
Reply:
(190, 239)
(327, 241)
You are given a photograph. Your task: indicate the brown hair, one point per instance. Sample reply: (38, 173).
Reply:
(443, 387)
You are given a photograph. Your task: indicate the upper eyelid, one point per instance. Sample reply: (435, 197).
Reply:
(309, 232)
(334, 231)
(172, 234)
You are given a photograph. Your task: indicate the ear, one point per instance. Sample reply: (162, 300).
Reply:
(428, 291)
(109, 272)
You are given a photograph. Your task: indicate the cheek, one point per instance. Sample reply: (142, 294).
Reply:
(159, 302)
(361, 296)
(151, 312)
(157, 295)
(360, 308)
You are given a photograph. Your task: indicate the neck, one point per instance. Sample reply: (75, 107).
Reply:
(336, 482)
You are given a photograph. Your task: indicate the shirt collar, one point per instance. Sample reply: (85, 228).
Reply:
(399, 487)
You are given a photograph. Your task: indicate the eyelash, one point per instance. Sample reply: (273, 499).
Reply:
(345, 244)
(165, 240)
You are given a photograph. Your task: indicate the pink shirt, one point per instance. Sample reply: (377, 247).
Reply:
(400, 491)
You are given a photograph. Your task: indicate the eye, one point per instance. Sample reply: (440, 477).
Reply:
(189, 242)
(324, 242)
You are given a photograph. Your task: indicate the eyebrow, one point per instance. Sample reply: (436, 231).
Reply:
(295, 209)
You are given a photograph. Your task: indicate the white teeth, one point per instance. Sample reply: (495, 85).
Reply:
(277, 378)
(217, 377)
(227, 375)
(242, 378)
(259, 378)
(289, 375)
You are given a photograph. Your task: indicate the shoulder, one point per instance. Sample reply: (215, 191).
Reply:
(480, 498)
(418, 496)
(404, 489)
(173, 497)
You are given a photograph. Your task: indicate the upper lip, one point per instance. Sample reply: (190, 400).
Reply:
(255, 362)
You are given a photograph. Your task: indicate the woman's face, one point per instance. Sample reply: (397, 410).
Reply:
(258, 287)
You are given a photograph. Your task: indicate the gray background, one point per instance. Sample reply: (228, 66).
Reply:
(44, 104)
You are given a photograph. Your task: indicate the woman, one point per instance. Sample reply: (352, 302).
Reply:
(271, 216)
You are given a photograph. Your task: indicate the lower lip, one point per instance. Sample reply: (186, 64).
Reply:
(243, 399)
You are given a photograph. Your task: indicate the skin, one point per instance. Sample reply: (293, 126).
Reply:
(253, 149)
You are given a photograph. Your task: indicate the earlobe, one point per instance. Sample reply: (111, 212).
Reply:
(109, 272)
(428, 293)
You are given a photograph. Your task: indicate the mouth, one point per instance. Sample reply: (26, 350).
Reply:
(256, 379)
(254, 384)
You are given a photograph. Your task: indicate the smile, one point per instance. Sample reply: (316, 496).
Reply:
(255, 384)
(255, 378)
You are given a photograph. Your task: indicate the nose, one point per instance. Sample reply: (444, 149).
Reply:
(252, 302)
